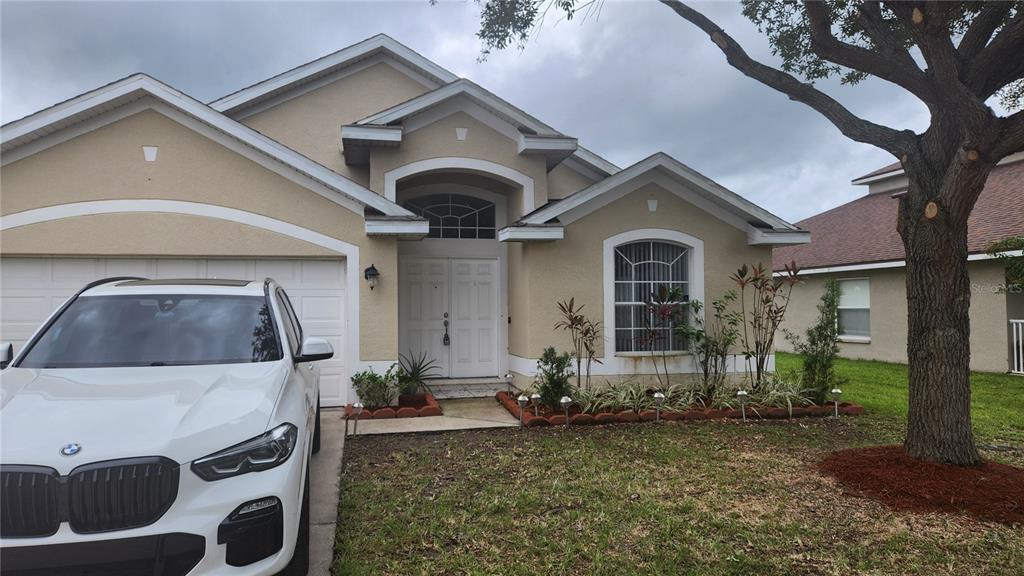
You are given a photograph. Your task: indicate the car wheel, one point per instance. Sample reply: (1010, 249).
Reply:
(299, 565)
(316, 429)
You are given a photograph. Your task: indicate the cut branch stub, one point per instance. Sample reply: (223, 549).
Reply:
(931, 210)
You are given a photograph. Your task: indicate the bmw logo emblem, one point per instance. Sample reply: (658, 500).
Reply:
(71, 449)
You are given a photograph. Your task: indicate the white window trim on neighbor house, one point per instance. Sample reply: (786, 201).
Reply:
(855, 338)
(626, 362)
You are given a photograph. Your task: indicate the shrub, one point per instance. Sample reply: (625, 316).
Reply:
(712, 340)
(413, 372)
(783, 391)
(821, 346)
(585, 334)
(628, 394)
(375, 390)
(554, 372)
(769, 300)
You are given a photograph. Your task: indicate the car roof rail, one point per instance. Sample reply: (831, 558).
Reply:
(67, 303)
(102, 281)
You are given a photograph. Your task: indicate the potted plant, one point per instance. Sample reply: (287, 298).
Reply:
(412, 374)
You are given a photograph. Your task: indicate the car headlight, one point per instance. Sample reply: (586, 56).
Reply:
(261, 453)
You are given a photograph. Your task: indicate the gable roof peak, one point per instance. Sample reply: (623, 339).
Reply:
(435, 74)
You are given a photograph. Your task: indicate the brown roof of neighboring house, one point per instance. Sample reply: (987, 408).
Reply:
(864, 230)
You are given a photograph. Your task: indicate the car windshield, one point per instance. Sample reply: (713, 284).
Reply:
(157, 330)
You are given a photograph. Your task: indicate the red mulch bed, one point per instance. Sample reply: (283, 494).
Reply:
(990, 492)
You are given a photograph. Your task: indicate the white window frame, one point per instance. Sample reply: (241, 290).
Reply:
(684, 283)
(620, 361)
(854, 338)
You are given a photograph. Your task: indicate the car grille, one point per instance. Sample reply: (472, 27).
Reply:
(99, 497)
(29, 505)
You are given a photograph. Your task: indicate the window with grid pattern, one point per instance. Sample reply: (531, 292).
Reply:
(640, 269)
(455, 215)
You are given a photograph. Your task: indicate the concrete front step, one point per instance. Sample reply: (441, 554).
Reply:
(450, 388)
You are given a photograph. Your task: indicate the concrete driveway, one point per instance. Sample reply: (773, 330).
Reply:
(324, 479)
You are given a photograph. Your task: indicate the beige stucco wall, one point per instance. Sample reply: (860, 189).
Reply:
(311, 123)
(564, 181)
(482, 143)
(107, 163)
(572, 267)
(989, 343)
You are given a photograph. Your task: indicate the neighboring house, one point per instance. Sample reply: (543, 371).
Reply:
(477, 216)
(857, 244)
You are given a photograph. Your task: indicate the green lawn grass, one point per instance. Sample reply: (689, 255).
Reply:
(997, 400)
(714, 497)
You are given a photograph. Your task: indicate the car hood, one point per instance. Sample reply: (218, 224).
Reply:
(180, 412)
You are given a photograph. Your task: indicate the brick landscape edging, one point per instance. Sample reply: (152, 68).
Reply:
(432, 408)
(626, 416)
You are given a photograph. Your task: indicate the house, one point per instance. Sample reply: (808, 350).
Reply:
(858, 245)
(405, 209)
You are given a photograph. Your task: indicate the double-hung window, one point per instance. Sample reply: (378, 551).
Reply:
(641, 269)
(855, 309)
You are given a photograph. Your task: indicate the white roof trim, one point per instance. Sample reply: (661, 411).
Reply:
(544, 144)
(461, 87)
(64, 114)
(759, 236)
(899, 263)
(335, 60)
(595, 161)
(406, 228)
(732, 201)
(383, 134)
(530, 233)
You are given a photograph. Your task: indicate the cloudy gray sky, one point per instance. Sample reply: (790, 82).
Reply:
(631, 82)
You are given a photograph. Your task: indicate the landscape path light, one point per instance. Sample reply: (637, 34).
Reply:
(535, 398)
(565, 402)
(836, 395)
(742, 397)
(659, 400)
(508, 382)
(522, 407)
(357, 408)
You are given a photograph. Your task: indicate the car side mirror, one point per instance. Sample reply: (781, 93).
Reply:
(6, 354)
(314, 349)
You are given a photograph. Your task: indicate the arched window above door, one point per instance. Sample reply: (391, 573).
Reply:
(455, 215)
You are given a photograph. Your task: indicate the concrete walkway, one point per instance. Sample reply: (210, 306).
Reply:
(460, 414)
(324, 480)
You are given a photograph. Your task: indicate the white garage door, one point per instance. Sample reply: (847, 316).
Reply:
(32, 288)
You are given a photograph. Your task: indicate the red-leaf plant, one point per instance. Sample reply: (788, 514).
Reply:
(769, 299)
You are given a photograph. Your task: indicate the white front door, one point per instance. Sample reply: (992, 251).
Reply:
(448, 309)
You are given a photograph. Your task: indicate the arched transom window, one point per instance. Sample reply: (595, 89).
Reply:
(641, 269)
(455, 215)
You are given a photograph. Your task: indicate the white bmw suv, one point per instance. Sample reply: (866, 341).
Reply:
(160, 427)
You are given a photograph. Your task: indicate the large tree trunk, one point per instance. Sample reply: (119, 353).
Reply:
(934, 235)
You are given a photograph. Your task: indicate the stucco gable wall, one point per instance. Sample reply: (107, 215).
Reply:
(989, 334)
(563, 181)
(572, 267)
(438, 140)
(108, 164)
(311, 123)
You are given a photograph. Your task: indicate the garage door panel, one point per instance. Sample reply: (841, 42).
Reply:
(32, 288)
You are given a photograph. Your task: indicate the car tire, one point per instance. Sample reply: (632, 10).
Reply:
(299, 566)
(316, 429)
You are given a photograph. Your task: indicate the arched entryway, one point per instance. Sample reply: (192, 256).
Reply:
(452, 297)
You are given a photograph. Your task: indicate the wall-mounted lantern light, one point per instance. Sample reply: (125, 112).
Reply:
(371, 275)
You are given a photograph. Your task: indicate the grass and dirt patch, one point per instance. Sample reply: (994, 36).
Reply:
(716, 497)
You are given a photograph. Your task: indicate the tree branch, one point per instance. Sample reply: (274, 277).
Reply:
(982, 28)
(895, 142)
(903, 72)
(1012, 140)
(1000, 62)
